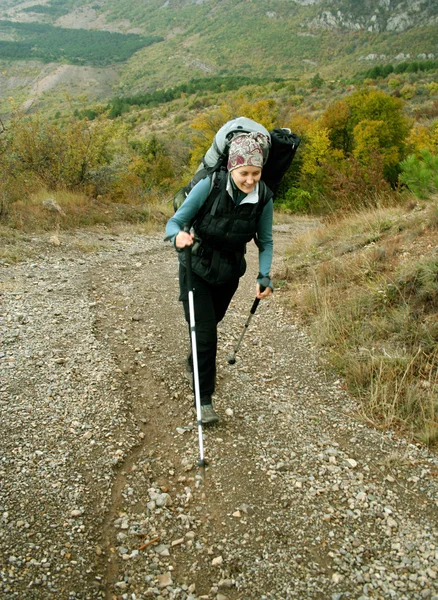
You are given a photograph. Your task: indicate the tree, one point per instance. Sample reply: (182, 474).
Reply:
(378, 119)
(317, 81)
(369, 121)
(336, 120)
(374, 136)
(317, 147)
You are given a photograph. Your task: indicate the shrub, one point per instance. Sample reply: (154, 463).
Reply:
(296, 200)
(350, 185)
(35, 151)
(420, 173)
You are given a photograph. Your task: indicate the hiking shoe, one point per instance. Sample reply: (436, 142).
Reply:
(208, 414)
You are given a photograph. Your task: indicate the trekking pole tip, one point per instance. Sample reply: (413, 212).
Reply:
(231, 360)
(202, 462)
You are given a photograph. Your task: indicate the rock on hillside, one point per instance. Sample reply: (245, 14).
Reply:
(383, 15)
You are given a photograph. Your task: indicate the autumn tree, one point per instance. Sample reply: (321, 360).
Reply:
(336, 121)
(317, 146)
(151, 163)
(369, 121)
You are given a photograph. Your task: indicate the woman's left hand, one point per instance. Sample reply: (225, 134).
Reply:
(266, 292)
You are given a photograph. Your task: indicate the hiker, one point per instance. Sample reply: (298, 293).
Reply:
(224, 212)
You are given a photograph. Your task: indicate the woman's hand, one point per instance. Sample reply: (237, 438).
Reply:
(266, 292)
(183, 239)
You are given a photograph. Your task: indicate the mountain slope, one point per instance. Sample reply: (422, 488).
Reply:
(258, 39)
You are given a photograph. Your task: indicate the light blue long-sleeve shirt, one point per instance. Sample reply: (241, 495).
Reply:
(196, 198)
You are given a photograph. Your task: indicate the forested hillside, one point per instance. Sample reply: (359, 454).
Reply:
(160, 44)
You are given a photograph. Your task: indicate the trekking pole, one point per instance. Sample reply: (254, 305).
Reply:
(263, 285)
(188, 252)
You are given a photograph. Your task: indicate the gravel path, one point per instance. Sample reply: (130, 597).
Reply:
(100, 496)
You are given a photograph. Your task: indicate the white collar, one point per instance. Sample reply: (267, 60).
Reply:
(251, 198)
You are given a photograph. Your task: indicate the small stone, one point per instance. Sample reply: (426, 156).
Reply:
(54, 240)
(75, 513)
(122, 585)
(216, 562)
(229, 412)
(351, 462)
(163, 500)
(226, 584)
(162, 550)
(164, 580)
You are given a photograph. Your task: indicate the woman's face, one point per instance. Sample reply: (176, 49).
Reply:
(246, 178)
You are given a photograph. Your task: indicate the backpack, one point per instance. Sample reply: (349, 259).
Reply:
(277, 154)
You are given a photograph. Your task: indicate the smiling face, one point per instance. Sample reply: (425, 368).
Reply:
(246, 178)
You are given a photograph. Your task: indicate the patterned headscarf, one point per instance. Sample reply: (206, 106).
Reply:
(246, 150)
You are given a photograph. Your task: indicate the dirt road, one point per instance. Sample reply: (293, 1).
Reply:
(100, 496)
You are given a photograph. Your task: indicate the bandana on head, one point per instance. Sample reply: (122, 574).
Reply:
(246, 150)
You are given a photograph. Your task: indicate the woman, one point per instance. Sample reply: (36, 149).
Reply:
(224, 212)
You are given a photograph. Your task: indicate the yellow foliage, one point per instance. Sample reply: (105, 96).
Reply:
(300, 124)
(394, 82)
(374, 136)
(422, 137)
(336, 121)
(408, 91)
(432, 87)
(317, 148)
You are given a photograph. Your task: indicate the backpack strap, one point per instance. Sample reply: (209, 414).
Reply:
(216, 180)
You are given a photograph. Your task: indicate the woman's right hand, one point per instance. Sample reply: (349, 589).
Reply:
(183, 239)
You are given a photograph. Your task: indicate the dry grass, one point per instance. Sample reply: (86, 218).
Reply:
(65, 210)
(368, 287)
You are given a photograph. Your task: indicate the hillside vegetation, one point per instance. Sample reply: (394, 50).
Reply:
(216, 39)
(368, 287)
(43, 42)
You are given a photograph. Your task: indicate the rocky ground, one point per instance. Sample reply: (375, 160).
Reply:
(100, 493)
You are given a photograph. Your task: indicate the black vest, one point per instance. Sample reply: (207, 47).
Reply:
(222, 231)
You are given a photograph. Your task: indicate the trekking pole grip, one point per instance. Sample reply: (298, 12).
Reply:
(188, 257)
(263, 285)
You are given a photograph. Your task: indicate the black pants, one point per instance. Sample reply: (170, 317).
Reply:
(211, 303)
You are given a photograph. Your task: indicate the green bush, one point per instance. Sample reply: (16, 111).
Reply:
(37, 152)
(420, 173)
(296, 200)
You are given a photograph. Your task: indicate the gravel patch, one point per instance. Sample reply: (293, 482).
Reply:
(100, 495)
